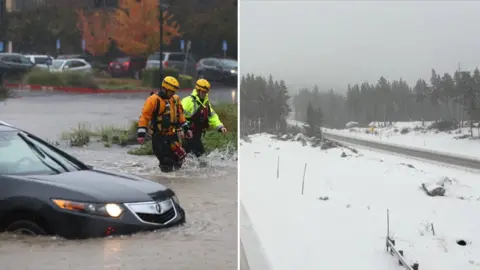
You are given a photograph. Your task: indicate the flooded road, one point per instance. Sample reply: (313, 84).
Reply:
(209, 196)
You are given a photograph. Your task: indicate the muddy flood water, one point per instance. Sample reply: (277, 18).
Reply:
(209, 196)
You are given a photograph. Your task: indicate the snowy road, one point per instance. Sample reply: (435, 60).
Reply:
(339, 220)
(415, 135)
(451, 159)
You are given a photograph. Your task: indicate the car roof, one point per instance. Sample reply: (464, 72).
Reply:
(10, 54)
(75, 59)
(36, 55)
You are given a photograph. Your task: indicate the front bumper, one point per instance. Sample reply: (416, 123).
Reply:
(73, 225)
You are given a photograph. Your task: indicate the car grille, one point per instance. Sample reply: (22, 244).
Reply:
(160, 219)
(148, 212)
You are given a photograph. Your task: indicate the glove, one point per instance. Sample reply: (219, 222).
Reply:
(222, 130)
(141, 132)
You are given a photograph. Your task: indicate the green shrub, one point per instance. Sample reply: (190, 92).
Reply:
(150, 77)
(185, 81)
(70, 78)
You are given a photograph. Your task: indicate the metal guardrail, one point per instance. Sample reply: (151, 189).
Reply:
(417, 153)
(390, 245)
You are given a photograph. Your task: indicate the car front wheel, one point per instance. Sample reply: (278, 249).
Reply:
(25, 227)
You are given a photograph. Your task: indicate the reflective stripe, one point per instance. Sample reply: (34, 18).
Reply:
(142, 130)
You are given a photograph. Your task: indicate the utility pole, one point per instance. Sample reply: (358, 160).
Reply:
(162, 7)
(160, 18)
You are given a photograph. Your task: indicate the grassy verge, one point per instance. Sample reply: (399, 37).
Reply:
(82, 135)
(109, 135)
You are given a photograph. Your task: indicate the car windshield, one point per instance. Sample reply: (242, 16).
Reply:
(40, 60)
(26, 155)
(155, 56)
(57, 64)
(232, 64)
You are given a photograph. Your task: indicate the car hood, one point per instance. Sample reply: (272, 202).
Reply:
(106, 186)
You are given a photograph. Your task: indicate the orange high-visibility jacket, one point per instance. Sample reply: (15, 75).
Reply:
(154, 111)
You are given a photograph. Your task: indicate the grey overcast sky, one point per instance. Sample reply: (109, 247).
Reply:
(334, 43)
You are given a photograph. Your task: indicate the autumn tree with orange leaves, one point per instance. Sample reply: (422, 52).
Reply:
(95, 28)
(135, 27)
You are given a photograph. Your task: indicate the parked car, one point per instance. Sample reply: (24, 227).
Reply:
(46, 191)
(127, 67)
(70, 65)
(218, 69)
(173, 60)
(14, 64)
(73, 56)
(40, 60)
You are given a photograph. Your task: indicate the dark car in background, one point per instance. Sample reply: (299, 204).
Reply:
(218, 70)
(14, 65)
(45, 191)
(184, 63)
(128, 66)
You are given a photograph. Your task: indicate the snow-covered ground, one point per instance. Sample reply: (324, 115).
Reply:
(414, 136)
(340, 220)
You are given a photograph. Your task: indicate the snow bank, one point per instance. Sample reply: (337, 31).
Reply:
(412, 134)
(340, 221)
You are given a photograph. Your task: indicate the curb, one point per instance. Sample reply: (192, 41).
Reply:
(79, 90)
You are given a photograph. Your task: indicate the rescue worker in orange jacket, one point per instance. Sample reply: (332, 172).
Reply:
(201, 116)
(163, 115)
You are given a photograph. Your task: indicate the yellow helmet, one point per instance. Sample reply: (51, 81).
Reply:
(170, 83)
(202, 85)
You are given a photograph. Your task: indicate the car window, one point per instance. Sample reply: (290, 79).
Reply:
(68, 64)
(24, 60)
(208, 62)
(228, 63)
(122, 59)
(40, 60)
(176, 57)
(22, 159)
(13, 59)
(57, 64)
(155, 56)
(76, 64)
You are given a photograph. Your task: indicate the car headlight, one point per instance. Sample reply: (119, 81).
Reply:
(175, 199)
(233, 71)
(101, 209)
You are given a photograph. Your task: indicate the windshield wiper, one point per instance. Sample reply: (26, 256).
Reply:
(42, 154)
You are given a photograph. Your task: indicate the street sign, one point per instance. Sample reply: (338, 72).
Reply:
(224, 46)
(182, 44)
(189, 45)
(1, 46)
(58, 44)
(84, 44)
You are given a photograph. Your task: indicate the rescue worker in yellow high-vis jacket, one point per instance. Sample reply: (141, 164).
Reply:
(200, 116)
(162, 113)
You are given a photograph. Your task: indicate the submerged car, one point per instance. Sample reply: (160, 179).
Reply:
(45, 191)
